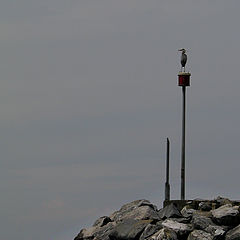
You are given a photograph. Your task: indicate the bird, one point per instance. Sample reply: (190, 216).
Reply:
(183, 58)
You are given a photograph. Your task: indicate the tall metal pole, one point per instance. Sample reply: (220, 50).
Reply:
(183, 81)
(167, 185)
(183, 144)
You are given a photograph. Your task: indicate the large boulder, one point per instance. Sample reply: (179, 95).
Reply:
(226, 215)
(129, 229)
(233, 234)
(138, 210)
(164, 234)
(199, 235)
(181, 229)
(170, 211)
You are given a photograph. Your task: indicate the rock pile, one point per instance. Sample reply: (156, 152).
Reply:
(216, 219)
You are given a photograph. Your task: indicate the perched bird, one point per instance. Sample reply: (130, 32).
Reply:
(183, 58)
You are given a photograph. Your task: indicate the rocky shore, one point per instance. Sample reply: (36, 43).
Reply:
(216, 219)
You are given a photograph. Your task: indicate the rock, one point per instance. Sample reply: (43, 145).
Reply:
(86, 233)
(102, 221)
(164, 234)
(103, 232)
(226, 215)
(187, 212)
(201, 222)
(217, 232)
(96, 232)
(135, 212)
(233, 234)
(180, 228)
(147, 203)
(199, 235)
(205, 206)
(149, 231)
(129, 229)
(169, 211)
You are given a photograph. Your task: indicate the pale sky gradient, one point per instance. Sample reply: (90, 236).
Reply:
(88, 96)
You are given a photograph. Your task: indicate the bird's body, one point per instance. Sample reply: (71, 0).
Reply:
(183, 58)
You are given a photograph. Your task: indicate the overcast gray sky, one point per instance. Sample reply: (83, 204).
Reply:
(88, 95)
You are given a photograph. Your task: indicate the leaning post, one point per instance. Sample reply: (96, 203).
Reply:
(167, 185)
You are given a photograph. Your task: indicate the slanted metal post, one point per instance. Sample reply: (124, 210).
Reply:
(167, 185)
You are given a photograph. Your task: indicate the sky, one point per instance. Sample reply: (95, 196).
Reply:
(88, 96)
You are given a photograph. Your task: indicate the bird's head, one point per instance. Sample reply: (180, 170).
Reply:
(182, 50)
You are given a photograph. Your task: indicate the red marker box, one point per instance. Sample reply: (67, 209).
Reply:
(184, 79)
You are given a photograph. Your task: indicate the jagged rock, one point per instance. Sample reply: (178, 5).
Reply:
(96, 232)
(199, 235)
(233, 234)
(164, 234)
(102, 221)
(150, 230)
(217, 232)
(205, 206)
(226, 215)
(201, 222)
(180, 228)
(187, 212)
(169, 211)
(86, 233)
(147, 203)
(129, 229)
(135, 210)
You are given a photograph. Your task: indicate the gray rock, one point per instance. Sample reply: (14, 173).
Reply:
(217, 232)
(128, 229)
(187, 212)
(138, 213)
(233, 234)
(96, 232)
(180, 228)
(201, 222)
(103, 232)
(164, 234)
(147, 203)
(199, 235)
(102, 221)
(86, 233)
(150, 230)
(170, 211)
(226, 215)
